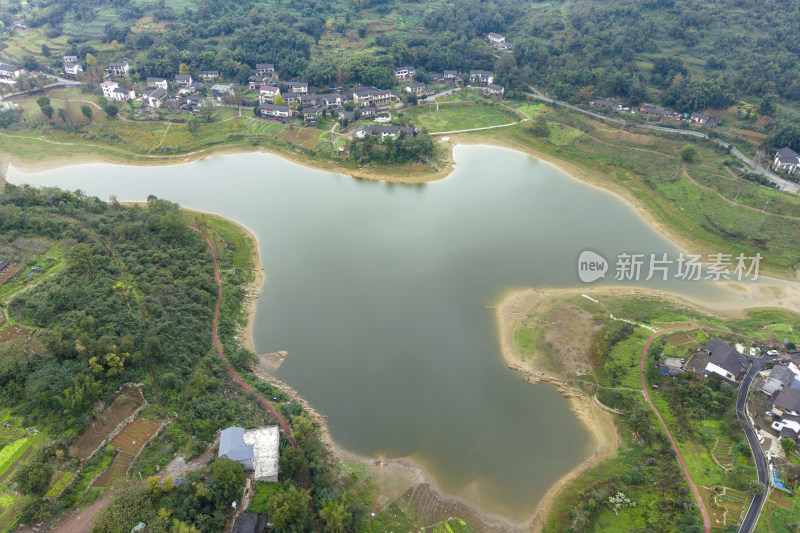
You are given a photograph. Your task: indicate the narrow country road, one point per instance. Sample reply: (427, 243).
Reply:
(754, 510)
(783, 184)
(695, 492)
(286, 429)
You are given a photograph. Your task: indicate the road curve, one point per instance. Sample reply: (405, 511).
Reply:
(286, 429)
(783, 184)
(754, 510)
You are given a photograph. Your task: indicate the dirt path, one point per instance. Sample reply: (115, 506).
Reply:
(218, 346)
(695, 492)
(476, 129)
(286, 429)
(81, 521)
(757, 210)
(166, 131)
(651, 338)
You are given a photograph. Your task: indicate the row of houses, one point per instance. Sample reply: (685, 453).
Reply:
(484, 78)
(659, 113)
(723, 361)
(368, 100)
(783, 385)
(384, 132)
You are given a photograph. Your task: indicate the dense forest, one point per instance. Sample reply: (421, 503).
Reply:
(133, 304)
(692, 54)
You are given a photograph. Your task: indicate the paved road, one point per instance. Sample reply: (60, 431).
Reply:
(782, 184)
(753, 512)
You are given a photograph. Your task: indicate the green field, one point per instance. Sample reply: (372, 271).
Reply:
(457, 117)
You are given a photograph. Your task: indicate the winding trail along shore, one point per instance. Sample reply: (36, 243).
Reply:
(286, 429)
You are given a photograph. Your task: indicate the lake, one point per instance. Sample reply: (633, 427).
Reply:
(382, 295)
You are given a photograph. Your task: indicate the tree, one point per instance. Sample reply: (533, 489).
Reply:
(33, 478)
(183, 527)
(335, 515)
(768, 102)
(111, 110)
(43, 102)
(191, 125)
(362, 30)
(47, 111)
(207, 111)
(228, 478)
(539, 127)
(81, 257)
(87, 111)
(788, 445)
(81, 395)
(91, 60)
(288, 510)
(183, 68)
(754, 487)
(689, 154)
(278, 100)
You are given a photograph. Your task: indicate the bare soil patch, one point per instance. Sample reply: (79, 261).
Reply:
(429, 507)
(127, 401)
(118, 468)
(304, 137)
(13, 332)
(9, 273)
(32, 244)
(134, 436)
(569, 334)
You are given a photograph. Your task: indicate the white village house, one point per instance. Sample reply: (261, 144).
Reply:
(267, 93)
(725, 361)
(72, 69)
(154, 97)
(787, 160)
(495, 37)
(279, 112)
(118, 68)
(9, 73)
(112, 91)
(157, 83)
(254, 449)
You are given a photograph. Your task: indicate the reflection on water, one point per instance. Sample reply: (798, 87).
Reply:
(379, 293)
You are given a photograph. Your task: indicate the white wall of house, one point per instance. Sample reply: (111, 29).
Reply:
(711, 367)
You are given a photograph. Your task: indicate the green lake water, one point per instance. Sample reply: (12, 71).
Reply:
(382, 296)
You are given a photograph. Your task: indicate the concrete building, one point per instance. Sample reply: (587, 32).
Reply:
(254, 449)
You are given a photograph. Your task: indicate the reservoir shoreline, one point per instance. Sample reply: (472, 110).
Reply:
(400, 175)
(764, 297)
